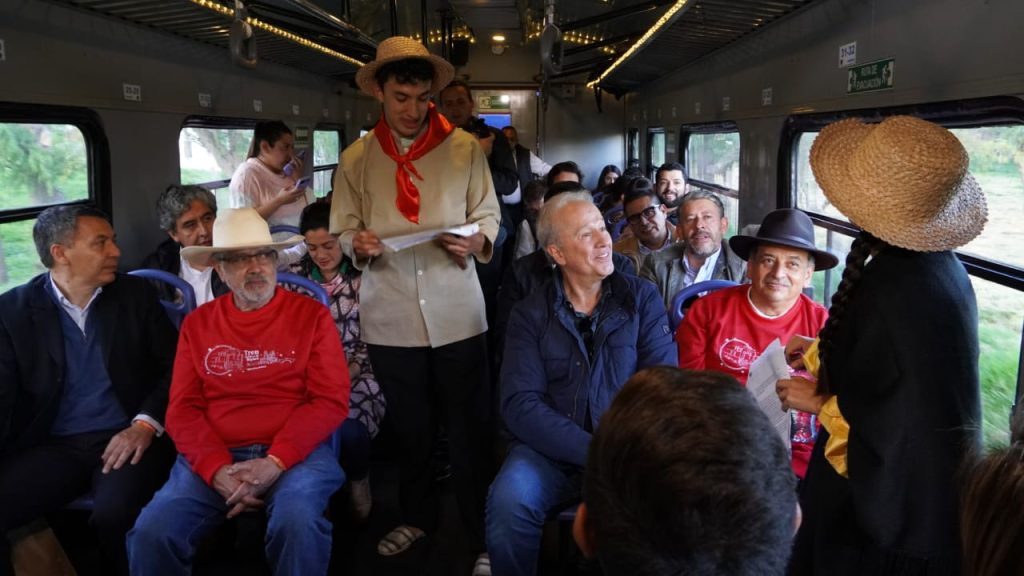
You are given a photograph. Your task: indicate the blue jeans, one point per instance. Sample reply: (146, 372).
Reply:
(298, 539)
(527, 490)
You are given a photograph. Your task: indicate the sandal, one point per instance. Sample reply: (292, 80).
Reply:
(482, 566)
(399, 540)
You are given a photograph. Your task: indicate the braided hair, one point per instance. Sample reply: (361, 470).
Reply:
(863, 247)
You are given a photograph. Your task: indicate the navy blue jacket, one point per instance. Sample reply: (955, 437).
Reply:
(137, 339)
(546, 379)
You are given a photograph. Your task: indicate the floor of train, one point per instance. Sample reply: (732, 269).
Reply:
(237, 549)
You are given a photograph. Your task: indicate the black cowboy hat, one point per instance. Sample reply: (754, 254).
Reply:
(785, 227)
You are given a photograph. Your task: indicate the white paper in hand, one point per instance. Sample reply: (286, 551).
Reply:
(396, 243)
(765, 372)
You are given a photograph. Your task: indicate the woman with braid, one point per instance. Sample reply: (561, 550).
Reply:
(897, 361)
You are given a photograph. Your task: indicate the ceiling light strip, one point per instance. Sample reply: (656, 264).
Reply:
(257, 23)
(640, 44)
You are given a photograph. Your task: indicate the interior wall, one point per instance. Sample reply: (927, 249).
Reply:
(944, 50)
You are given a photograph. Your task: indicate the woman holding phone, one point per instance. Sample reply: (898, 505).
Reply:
(269, 180)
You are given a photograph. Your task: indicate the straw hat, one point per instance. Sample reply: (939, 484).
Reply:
(904, 180)
(237, 229)
(785, 227)
(400, 48)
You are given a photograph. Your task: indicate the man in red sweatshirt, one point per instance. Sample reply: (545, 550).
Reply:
(260, 381)
(725, 331)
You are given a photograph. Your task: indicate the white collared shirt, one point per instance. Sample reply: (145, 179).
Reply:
(199, 280)
(702, 274)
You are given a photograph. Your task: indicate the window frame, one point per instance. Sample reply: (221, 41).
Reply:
(687, 130)
(97, 150)
(339, 129)
(971, 113)
(653, 131)
(223, 122)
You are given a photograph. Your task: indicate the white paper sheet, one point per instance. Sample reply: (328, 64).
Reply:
(765, 372)
(396, 243)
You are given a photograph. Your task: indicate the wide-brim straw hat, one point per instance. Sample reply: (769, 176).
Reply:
(785, 227)
(400, 48)
(904, 180)
(237, 229)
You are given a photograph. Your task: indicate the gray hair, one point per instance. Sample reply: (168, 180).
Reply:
(546, 233)
(702, 194)
(56, 225)
(176, 200)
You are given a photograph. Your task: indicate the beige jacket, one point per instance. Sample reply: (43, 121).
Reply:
(418, 296)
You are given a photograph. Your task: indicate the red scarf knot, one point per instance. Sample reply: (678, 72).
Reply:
(407, 199)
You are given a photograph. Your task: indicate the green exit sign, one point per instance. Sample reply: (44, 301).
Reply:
(877, 75)
(494, 102)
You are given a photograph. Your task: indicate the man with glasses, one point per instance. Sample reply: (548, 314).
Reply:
(260, 381)
(646, 217)
(570, 346)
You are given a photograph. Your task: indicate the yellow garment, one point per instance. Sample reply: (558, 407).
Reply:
(831, 418)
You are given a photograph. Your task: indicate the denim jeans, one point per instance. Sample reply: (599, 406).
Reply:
(528, 489)
(298, 539)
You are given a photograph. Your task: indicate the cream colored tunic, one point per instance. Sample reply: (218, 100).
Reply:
(418, 296)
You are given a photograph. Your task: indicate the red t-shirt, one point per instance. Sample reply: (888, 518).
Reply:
(274, 376)
(722, 331)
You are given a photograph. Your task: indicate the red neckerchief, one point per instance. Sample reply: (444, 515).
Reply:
(408, 198)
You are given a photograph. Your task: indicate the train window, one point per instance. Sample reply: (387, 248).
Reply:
(993, 134)
(632, 148)
(49, 155)
(326, 148)
(711, 153)
(655, 150)
(209, 156)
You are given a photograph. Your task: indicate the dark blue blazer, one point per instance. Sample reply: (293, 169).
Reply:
(137, 339)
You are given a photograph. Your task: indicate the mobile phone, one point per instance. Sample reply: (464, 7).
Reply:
(303, 182)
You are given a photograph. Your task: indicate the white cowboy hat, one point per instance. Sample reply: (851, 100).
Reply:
(237, 229)
(400, 48)
(904, 180)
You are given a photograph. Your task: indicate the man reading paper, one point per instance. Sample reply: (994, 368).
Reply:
(727, 330)
(421, 309)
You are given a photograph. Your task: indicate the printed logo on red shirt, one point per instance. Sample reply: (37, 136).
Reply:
(223, 360)
(735, 354)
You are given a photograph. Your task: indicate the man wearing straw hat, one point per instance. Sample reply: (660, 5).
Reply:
(260, 381)
(422, 310)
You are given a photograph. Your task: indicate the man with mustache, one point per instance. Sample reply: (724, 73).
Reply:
(187, 214)
(700, 253)
(645, 215)
(260, 381)
(726, 330)
(671, 181)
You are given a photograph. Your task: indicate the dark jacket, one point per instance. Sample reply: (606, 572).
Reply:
(522, 156)
(665, 268)
(904, 367)
(530, 274)
(167, 257)
(549, 387)
(138, 343)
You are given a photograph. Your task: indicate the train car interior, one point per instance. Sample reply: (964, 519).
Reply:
(111, 101)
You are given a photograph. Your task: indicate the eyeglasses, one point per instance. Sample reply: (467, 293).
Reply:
(647, 214)
(236, 259)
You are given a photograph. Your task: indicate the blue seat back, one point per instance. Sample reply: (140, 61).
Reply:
(284, 228)
(676, 309)
(314, 289)
(176, 311)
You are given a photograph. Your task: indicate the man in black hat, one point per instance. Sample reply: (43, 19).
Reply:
(726, 330)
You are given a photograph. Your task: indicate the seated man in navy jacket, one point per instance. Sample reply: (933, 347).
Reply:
(569, 348)
(85, 365)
